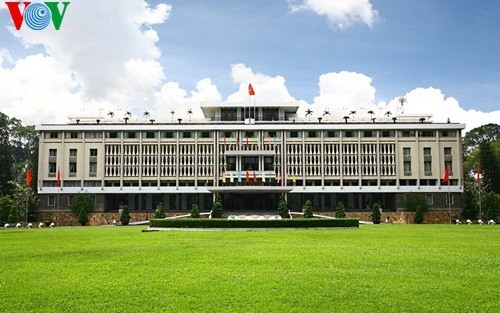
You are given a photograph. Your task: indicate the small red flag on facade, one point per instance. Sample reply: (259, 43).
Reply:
(446, 175)
(250, 90)
(29, 176)
(247, 178)
(254, 177)
(479, 173)
(58, 178)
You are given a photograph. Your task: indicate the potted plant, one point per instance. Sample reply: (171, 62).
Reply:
(48, 220)
(376, 214)
(217, 210)
(125, 216)
(308, 211)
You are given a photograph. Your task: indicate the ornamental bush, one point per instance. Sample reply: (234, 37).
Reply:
(160, 210)
(308, 212)
(412, 202)
(195, 212)
(283, 207)
(340, 212)
(82, 201)
(217, 210)
(83, 217)
(125, 216)
(376, 216)
(419, 216)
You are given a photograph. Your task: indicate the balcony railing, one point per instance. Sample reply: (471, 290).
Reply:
(428, 173)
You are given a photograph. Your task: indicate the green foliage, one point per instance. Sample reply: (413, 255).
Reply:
(83, 217)
(340, 212)
(13, 215)
(470, 204)
(418, 218)
(414, 201)
(195, 212)
(225, 223)
(160, 210)
(25, 199)
(82, 201)
(490, 168)
(376, 216)
(6, 158)
(490, 204)
(6, 205)
(283, 207)
(484, 133)
(49, 218)
(217, 210)
(308, 211)
(125, 216)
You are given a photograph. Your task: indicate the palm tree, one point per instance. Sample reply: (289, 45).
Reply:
(128, 114)
(326, 113)
(388, 113)
(111, 114)
(146, 114)
(173, 113)
(309, 112)
(371, 113)
(190, 112)
(352, 113)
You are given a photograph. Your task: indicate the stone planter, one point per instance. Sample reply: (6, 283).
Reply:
(47, 223)
(124, 222)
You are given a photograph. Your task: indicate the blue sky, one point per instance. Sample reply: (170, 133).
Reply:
(449, 45)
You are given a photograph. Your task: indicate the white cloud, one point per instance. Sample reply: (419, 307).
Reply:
(340, 13)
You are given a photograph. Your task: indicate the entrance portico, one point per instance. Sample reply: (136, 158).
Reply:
(250, 198)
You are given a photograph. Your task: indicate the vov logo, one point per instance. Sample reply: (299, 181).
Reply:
(37, 15)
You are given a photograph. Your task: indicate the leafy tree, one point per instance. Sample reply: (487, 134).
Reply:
(485, 133)
(6, 159)
(490, 203)
(470, 203)
(419, 215)
(490, 168)
(217, 210)
(83, 217)
(25, 199)
(13, 215)
(308, 211)
(340, 212)
(82, 201)
(283, 207)
(160, 210)
(376, 216)
(125, 216)
(195, 212)
(413, 202)
(6, 205)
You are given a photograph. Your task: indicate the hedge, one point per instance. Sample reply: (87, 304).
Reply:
(225, 223)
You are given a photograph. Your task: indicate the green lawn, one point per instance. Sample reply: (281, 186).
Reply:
(373, 268)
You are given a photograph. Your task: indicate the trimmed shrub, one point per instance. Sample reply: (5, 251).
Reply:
(225, 223)
(419, 216)
(308, 212)
(217, 210)
(195, 212)
(13, 215)
(125, 216)
(160, 210)
(82, 201)
(376, 216)
(283, 207)
(412, 202)
(83, 217)
(340, 212)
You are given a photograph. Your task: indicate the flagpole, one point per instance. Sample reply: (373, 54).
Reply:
(479, 185)
(449, 199)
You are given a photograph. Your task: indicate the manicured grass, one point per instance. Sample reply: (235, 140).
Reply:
(372, 268)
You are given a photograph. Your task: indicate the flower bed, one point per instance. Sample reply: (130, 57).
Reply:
(225, 223)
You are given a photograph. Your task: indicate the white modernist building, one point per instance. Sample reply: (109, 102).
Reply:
(250, 156)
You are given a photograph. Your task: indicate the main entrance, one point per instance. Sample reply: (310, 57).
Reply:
(247, 202)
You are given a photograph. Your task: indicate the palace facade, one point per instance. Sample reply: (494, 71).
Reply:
(250, 156)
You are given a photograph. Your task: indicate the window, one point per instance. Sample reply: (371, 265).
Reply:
(448, 133)
(71, 200)
(73, 135)
(72, 152)
(429, 199)
(186, 134)
(72, 168)
(312, 134)
(407, 166)
(206, 134)
(406, 151)
(447, 151)
(387, 133)
(150, 135)
(427, 161)
(92, 183)
(93, 152)
(167, 135)
(427, 151)
(268, 163)
(332, 134)
(54, 135)
(249, 134)
(350, 134)
(270, 114)
(51, 201)
(294, 134)
(228, 114)
(52, 161)
(271, 134)
(426, 133)
(227, 134)
(112, 135)
(231, 164)
(407, 160)
(249, 163)
(92, 135)
(368, 134)
(449, 199)
(72, 161)
(407, 133)
(93, 162)
(130, 135)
